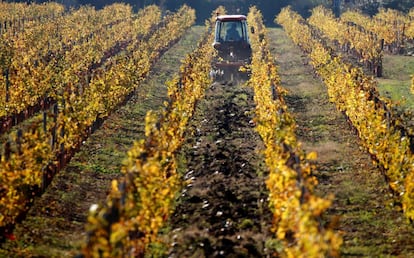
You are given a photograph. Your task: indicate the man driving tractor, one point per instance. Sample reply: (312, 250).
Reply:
(232, 33)
(232, 43)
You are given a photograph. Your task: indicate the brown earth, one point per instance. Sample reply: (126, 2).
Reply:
(223, 212)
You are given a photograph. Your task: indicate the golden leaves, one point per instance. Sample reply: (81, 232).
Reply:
(346, 35)
(290, 183)
(412, 84)
(371, 115)
(80, 100)
(151, 181)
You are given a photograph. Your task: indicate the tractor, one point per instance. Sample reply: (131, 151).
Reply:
(231, 40)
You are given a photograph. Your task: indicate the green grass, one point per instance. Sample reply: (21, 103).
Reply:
(397, 79)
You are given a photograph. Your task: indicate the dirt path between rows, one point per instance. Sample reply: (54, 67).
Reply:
(370, 223)
(55, 225)
(223, 212)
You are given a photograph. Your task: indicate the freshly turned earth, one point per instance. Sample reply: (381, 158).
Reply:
(223, 212)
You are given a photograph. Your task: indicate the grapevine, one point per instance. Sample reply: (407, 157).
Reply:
(366, 46)
(379, 128)
(410, 29)
(412, 84)
(392, 26)
(296, 209)
(30, 159)
(142, 201)
(14, 17)
(62, 55)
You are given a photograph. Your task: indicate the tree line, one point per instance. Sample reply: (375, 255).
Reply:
(268, 8)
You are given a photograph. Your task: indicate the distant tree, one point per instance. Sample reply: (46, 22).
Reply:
(371, 6)
(403, 5)
(304, 6)
(269, 8)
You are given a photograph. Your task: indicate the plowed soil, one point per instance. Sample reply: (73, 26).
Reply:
(223, 212)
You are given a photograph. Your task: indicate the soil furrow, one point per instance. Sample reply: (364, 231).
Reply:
(223, 212)
(370, 222)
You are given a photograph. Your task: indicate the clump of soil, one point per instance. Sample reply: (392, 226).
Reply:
(223, 212)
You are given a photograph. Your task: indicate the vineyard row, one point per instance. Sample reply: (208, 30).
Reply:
(16, 16)
(296, 209)
(393, 26)
(379, 127)
(40, 63)
(140, 203)
(32, 160)
(366, 47)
